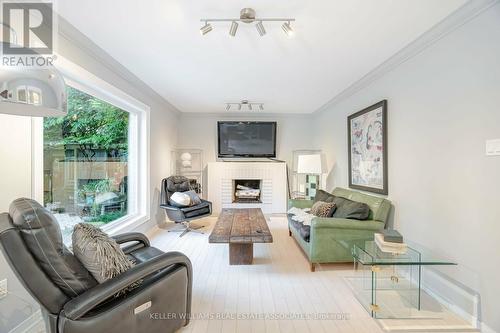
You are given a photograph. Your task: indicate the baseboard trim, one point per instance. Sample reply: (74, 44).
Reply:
(486, 329)
(28, 325)
(151, 232)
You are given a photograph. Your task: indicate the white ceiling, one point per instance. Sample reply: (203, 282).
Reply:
(335, 44)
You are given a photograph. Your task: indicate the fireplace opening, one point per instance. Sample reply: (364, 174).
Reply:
(246, 190)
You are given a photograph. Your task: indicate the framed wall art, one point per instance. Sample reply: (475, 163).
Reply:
(367, 140)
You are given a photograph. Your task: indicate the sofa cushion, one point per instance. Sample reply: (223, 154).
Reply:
(348, 209)
(295, 224)
(305, 232)
(323, 209)
(42, 236)
(379, 207)
(323, 196)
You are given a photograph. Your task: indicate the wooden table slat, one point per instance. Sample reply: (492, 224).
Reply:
(241, 226)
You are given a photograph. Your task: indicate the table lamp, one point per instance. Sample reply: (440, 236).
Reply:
(312, 166)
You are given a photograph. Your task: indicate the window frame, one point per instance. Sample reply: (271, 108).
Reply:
(139, 144)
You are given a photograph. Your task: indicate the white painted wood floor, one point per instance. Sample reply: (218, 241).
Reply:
(279, 282)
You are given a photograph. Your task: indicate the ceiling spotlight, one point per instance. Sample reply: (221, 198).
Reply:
(245, 105)
(248, 15)
(233, 29)
(206, 28)
(287, 29)
(260, 28)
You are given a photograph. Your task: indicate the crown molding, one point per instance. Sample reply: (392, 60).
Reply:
(70, 33)
(455, 20)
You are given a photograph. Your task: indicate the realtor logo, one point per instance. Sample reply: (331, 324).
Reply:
(28, 27)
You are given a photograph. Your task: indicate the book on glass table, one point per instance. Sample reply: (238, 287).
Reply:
(390, 247)
(391, 235)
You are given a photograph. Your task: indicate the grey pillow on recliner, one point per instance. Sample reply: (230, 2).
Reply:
(348, 209)
(99, 253)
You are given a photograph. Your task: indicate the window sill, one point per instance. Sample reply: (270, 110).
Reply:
(125, 224)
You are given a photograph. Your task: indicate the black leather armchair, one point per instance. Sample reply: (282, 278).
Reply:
(70, 298)
(184, 215)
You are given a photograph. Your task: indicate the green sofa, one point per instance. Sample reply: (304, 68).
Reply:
(331, 239)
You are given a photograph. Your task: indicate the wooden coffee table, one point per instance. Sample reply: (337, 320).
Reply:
(241, 228)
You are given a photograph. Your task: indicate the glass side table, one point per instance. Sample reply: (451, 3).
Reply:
(390, 285)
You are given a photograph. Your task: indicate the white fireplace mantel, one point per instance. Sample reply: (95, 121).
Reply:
(273, 185)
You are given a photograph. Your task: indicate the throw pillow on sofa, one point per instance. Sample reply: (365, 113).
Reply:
(100, 254)
(348, 209)
(180, 199)
(323, 209)
(323, 196)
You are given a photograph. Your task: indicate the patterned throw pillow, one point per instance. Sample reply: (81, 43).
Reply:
(323, 209)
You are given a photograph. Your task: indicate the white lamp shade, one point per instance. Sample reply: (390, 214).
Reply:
(310, 164)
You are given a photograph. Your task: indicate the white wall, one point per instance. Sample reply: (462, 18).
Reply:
(442, 106)
(198, 130)
(15, 138)
(163, 117)
(15, 182)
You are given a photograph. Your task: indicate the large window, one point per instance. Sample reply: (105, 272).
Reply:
(86, 162)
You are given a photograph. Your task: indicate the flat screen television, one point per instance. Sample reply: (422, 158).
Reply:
(246, 139)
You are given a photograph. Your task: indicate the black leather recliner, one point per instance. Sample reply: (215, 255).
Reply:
(184, 215)
(71, 299)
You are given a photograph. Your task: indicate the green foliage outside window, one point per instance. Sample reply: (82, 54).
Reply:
(90, 123)
(96, 132)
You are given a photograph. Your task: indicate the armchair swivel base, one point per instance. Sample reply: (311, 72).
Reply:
(185, 227)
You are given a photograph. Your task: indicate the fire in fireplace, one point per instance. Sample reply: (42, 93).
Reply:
(246, 190)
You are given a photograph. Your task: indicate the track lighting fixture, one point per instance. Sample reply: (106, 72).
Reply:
(205, 29)
(247, 15)
(233, 29)
(287, 29)
(245, 103)
(260, 28)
